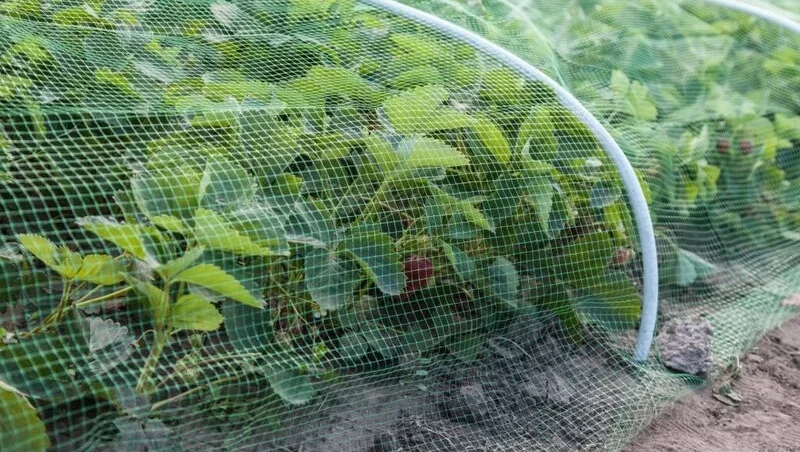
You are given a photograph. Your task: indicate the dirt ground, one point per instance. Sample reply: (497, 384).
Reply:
(533, 390)
(555, 404)
(761, 414)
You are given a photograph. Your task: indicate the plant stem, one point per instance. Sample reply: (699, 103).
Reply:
(88, 294)
(160, 404)
(58, 313)
(143, 384)
(374, 201)
(84, 303)
(347, 193)
(212, 360)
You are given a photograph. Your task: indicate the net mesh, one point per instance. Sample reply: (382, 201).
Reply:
(317, 225)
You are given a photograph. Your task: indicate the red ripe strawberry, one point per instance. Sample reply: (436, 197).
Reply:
(746, 146)
(418, 271)
(723, 146)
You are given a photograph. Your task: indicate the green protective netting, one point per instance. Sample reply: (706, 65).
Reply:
(317, 225)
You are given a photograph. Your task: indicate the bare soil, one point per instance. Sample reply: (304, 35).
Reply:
(761, 414)
(535, 390)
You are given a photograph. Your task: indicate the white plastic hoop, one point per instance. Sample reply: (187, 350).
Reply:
(757, 11)
(633, 189)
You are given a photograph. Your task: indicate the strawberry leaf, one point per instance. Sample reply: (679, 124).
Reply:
(504, 281)
(21, 427)
(293, 388)
(100, 269)
(125, 236)
(215, 279)
(193, 312)
(61, 260)
(374, 252)
(330, 281)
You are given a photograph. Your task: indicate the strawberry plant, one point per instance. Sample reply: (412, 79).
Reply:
(711, 118)
(308, 205)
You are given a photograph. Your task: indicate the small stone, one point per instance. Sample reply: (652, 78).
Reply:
(758, 359)
(685, 345)
(469, 404)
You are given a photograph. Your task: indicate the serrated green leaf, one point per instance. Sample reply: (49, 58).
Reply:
(292, 388)
(215, 279)
(382, 152)
(311, 225)
(329, 280)
(620, 83)
(32, 48)
(502, 86)
(787, 127)
(332, 81)
(82, 16)
(125, 236)
(116, 79)
(539, 195)
(420, 111)
(20, 426)
(493, 139)
(225, 185)
(174, 193)
(374, 252)
(464, 265)
(381, 339)
(175, 266)
(212, 231)
(415, 50)
(504, 200)
(266, 155)
(536, 137)
(418, 76)
(193, 312)
(110, 344)
(422, 152)
(100, 269)
(262, 225)
(461, 208)
(504, 281)
(40, 247)
(640, 105)
(169, 223)
(202, 112)
(61, 260)
(11, 85)
(434, 216)
(243, 89)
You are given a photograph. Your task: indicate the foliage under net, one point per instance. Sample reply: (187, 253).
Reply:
(317, 225)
